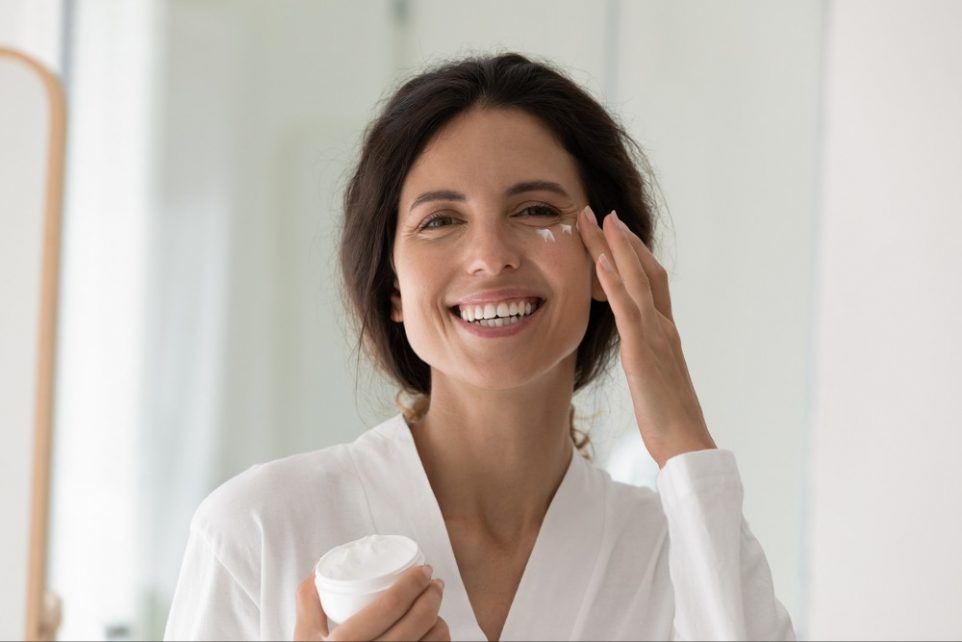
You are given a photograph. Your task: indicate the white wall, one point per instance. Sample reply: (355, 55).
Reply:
(95, 530)
(34, 27)
(726, 96)
(886, 484)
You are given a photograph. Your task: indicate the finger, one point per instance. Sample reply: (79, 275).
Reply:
(591, 234)
(438, 633)
(311, 621)
(627, 313)
(377, 617)
(595, 244)
(657, 275)
(628, 265)
(628, 318)
(420, 618)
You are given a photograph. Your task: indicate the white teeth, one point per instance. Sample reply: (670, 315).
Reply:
(496, 316)
(492, 311)
(498, 322)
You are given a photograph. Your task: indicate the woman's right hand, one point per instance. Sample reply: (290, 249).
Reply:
(408, 610)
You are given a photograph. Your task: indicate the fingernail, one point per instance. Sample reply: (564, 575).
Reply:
(440, 583)
(605, 264)
(427, 570)
(590, 215)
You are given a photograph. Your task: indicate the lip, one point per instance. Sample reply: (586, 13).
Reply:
(503, 331)
(493, 296)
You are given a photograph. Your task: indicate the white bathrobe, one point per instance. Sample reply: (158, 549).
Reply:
(611, 561)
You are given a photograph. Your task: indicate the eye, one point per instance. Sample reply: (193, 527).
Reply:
(541, 211)
(536, 211)
(428, 224)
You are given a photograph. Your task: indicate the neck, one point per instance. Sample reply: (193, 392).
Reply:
(495, 458)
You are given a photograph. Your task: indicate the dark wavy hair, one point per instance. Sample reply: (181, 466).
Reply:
(612, 167)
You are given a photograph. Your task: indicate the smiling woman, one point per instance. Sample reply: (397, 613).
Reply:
(577, 141)
(481, 281)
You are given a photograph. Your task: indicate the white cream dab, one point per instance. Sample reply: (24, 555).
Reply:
(546, 234)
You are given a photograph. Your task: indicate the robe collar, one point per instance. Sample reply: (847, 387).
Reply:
(549, 601)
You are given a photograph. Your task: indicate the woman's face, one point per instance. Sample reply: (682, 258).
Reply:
(467, 231)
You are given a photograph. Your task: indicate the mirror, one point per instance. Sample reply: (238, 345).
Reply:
(31, 177)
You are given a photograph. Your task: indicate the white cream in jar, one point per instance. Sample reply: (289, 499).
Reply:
(351, 576)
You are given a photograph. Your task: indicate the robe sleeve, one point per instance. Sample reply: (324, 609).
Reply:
(721, 581)
(209, 603)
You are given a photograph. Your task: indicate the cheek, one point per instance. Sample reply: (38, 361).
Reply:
(562, 257)
(419, 282)
(561, 247)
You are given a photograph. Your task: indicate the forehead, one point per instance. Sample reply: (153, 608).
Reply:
(489, 149)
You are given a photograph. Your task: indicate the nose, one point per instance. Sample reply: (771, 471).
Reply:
(491, 247)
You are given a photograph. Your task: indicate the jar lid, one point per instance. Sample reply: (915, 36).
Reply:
(368, 564)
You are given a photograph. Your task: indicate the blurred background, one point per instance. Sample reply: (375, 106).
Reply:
(809, 156)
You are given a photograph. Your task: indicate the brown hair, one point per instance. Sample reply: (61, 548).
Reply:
(608, 162)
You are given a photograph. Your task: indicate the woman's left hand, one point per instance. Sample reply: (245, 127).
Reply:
(669, 416)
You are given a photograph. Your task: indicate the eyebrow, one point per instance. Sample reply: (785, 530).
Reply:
(519, 188)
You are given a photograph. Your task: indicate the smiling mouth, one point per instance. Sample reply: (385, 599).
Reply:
(495, 320)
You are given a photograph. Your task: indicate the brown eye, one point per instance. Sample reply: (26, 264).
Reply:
(428, 224)
(541, 211)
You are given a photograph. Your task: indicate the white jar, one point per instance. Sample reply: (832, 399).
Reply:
(351, 576)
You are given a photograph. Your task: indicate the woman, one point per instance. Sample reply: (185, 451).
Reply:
(475, 198)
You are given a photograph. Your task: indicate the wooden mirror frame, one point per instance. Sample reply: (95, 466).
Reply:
(42, 611)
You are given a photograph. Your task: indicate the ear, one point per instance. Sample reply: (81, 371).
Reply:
(396, 310)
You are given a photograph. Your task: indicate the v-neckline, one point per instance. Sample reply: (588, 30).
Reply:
(565, 562)
(437, 531)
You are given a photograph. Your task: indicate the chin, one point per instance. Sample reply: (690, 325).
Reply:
(504, 377)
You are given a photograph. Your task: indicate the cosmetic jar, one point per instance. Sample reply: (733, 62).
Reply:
(351, 576)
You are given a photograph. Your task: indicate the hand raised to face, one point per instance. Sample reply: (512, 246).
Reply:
(666, 407)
